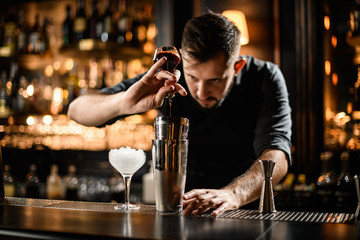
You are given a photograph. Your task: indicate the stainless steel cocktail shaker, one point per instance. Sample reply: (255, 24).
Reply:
(169, 153)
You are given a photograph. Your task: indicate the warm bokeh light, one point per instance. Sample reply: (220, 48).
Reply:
(48, 71)
(86, 44)
(58, 95)
(30, 90)
(30, 121)
(327, 22)
(57, 65)
(47, 92)
(69, 64)
(47, 119)
(327, 67)
(328, 114)
(238, 18)
(149, 47)
(334, 41)
(349, 107)
(335, 79)
(151, 32)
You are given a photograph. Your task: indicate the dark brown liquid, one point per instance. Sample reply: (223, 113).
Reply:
(170, 102)
(172, 60)
(171, 63)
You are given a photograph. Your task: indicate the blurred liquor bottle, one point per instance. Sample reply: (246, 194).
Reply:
(122, 22)
(32, 184)
(34, 36)
(95, 23)
(80, 21)
(325, 183)
(21, 33)
(107, 27)
(355, 18)
(9, 32)
(67, 28)
(71, 184)
(54, 184)
(344, 191)
(9, 182)
(303, 194)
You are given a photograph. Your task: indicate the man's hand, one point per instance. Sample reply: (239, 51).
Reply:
(199, 201)
(151, 90)
(240, 191)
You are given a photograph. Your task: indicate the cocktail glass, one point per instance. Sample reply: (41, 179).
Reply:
(127, 161)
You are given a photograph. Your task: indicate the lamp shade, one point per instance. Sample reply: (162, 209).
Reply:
(238, 18)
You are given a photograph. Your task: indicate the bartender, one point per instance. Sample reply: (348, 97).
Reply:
(238, 109)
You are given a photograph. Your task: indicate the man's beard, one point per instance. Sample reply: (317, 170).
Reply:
(218, 102)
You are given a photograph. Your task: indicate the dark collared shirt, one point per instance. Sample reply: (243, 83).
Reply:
(224, 142)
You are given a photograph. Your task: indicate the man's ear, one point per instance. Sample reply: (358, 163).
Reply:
(239, 64)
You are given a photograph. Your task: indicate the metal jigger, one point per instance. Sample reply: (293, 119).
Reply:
(267, 204)
(357, 185)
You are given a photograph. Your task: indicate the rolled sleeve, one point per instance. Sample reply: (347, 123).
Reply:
(273, 127)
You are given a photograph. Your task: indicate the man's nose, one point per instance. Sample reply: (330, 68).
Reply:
(202, 91)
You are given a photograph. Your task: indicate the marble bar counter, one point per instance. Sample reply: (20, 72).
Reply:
(23, 218)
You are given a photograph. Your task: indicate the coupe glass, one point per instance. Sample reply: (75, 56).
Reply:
(127, 161)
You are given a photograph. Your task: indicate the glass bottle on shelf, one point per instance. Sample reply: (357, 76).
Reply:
(9, 182)
(107, 31)
(355, 19)
(122, 22)
(95, 25)
(303, 193)
(9, 34)
(32, 184)
(21, 43)
(34, 41)
(54, 184)
(344, 191)
(80, 21)
(71, 184)
(67, 28)
(4, 98)
(325, 183)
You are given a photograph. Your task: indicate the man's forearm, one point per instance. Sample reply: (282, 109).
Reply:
(247, 187)
(95, 109)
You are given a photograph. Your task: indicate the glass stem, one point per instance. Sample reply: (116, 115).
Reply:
(127, 179)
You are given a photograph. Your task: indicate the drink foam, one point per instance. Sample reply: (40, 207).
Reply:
(127, 160)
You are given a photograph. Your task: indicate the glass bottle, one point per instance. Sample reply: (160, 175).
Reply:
(54, 184)
(4, 98)
(344, 191)
(122, 22)
(355, 19)
(9, 182)
(303, 194)
(32, 185)
(80, 21)
(148, 187)
(95, 22)
(67, 27)
(107, 32)
(325, 183)
(10, 26)
(35, 36)
(71, 184)
(21, 33)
